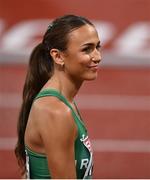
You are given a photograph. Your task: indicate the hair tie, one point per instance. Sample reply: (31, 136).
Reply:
(49, 27)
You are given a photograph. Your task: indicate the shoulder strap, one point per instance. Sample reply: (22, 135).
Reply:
(77, 110)
(53, 92)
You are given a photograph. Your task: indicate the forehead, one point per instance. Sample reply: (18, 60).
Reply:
(83, 35)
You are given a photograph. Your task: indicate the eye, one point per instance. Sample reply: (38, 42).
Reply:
(87, 49)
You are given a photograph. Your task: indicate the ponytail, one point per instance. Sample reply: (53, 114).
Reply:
(39, 71)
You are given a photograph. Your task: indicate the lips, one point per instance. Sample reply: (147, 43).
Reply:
(95, 67)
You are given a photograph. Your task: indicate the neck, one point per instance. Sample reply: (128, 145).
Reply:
(67, 86)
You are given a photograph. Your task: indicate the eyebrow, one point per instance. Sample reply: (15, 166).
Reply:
(91, 44)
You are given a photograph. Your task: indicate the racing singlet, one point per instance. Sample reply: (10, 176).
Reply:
(36, 163)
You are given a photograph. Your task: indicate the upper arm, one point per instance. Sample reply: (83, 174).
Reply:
(58, 132)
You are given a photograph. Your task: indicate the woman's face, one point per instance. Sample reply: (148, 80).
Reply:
(83, 54)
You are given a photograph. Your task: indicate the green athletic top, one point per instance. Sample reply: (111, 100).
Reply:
(36, 163)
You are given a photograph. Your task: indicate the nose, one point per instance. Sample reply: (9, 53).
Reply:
(96, 56)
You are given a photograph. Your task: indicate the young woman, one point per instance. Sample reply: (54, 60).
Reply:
(52, 138)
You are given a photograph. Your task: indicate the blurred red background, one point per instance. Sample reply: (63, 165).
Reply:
(115, 107)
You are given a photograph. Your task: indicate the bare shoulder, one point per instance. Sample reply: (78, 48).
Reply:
(51, 107)
(52, 116)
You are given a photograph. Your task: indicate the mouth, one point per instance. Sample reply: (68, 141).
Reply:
(94, 67)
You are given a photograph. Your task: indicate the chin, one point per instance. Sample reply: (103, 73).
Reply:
(90, 78)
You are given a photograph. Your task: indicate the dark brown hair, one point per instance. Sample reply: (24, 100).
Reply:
(40, 69)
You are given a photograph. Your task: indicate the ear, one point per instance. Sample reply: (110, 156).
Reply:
(57, 56)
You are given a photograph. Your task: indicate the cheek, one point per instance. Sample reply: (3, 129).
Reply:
(77, 62)
(84, 59)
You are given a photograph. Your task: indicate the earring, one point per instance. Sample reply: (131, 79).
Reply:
(62, 64)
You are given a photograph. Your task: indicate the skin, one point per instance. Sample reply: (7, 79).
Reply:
(52, 131)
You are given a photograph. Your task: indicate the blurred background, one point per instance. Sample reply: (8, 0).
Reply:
(115, 107)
